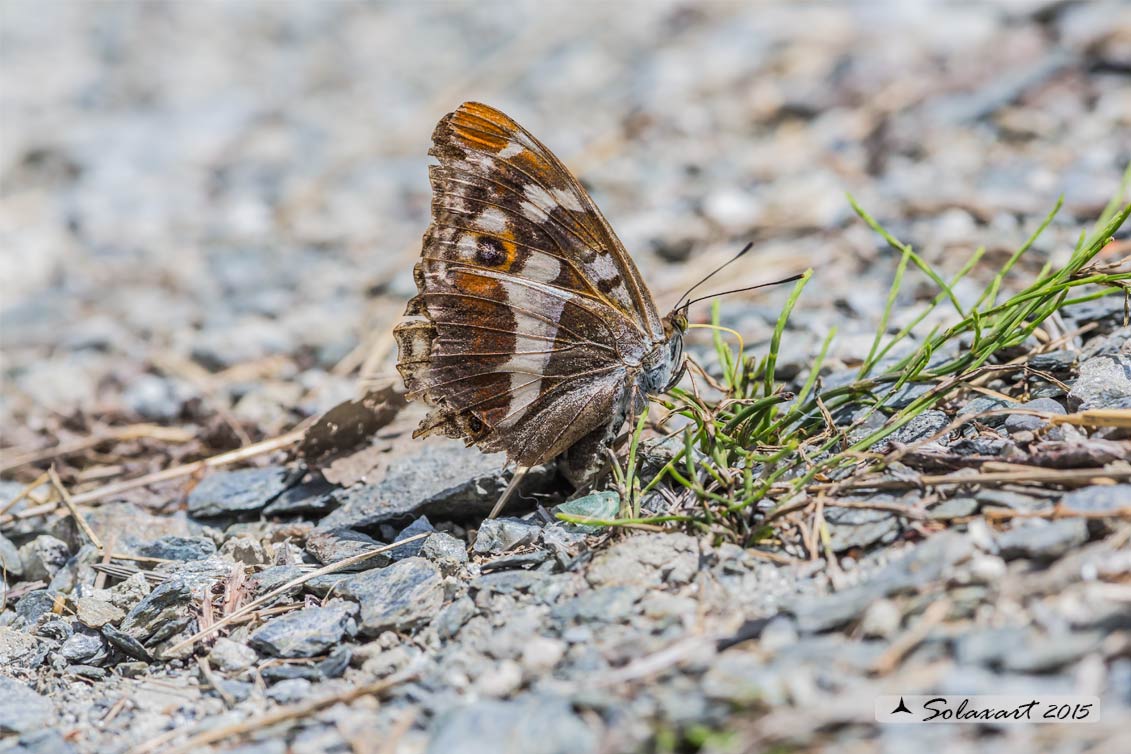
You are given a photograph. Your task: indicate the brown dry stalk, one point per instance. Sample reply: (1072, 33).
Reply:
(297, 581)
(165, 475)
(25, 492)
(909, 639)
(188, 469)
(70, 503)
(1098, 417)
(1058, 511)
(130, 432)
(1068, 476)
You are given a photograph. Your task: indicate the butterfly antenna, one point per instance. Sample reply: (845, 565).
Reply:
(789, 279)
(716, 271)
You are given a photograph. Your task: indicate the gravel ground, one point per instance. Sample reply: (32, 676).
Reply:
(209, 217)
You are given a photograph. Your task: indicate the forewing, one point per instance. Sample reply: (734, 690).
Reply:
(501, 197)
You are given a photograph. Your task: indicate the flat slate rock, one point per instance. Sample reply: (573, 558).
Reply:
(307, 632)
(315, 498)
(399, 597)
(420, 526)
(228, 493)
(441, 480)
(164, 612)
(851, 528)
(331, 545)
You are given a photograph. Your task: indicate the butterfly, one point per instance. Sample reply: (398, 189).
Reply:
(533, 332)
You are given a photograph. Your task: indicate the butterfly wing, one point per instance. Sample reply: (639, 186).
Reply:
(532, 320)
(492, 166)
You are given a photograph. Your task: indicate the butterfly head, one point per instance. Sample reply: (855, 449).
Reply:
(663, 366)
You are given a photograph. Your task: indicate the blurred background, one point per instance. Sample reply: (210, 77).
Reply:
(212, 209)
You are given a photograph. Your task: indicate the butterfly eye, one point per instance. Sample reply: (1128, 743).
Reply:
(474, 424)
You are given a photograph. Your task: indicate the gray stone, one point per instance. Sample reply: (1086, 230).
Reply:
(307, 632)
(452, 618)
(244, 549)
(314, 498)
(157, 398)
(126, 644)
(445, 551)
(290, 691)
(955, 507)
(23, 710)
(401, 596)
(824, 613)
(231, 656)
(926, 563)
(540, 654)
(850, 528)
(162, 613)
(16, 647)
(34, 604)
(412, 549)
(273, 577)
(10, 562)
(528, 560)
(646, 559)
(326, 584)
(924, 425)
(608, 604)
(178, 548)
(331, 545)
(135, 526)
(530, 724)
(1107, 312)
(982, 404)
(1043, 540)
(125, 594)
(989, 496)
(502, 534)
(228, 493)
(881, 619)
(200, 575)
(1061, 361)
(441, 480)
(43, 557)
(86, 649)
(1028, 423)
(1098, 498)
(1103, 380)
